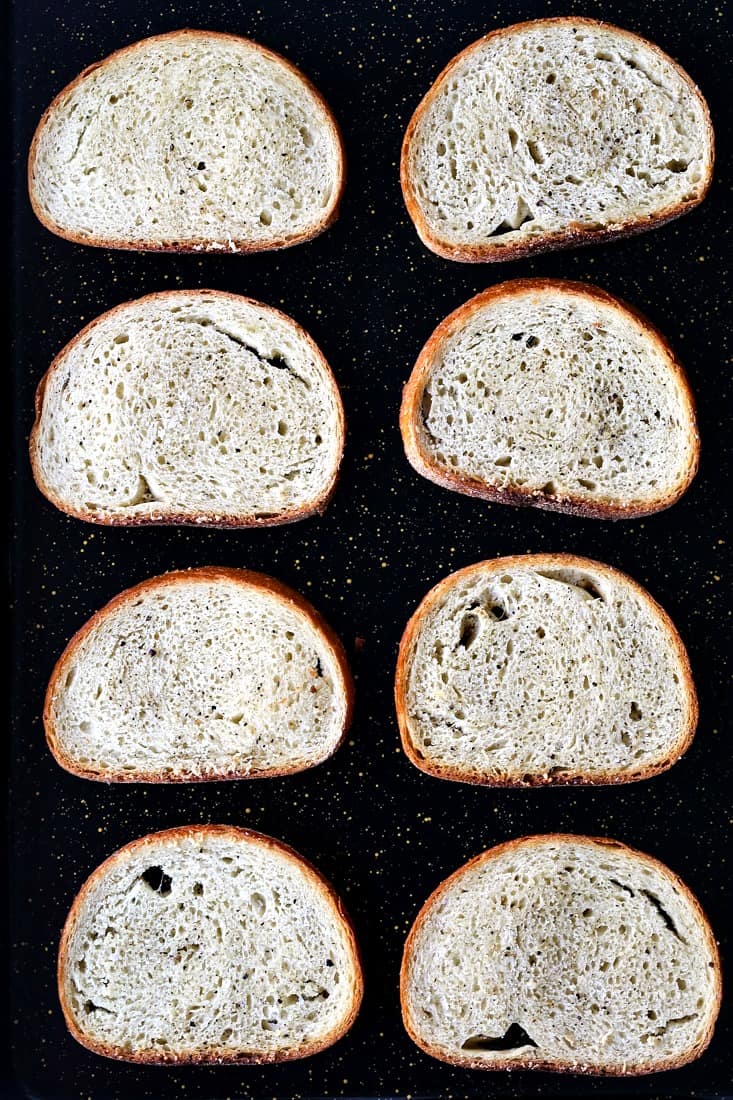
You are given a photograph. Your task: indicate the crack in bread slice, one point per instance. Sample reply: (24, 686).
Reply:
(188, 141)
(206, 674)
(552, 393)
(543, 669)
(563, 953)
(196, 407)
(550, 134)
(208, 944)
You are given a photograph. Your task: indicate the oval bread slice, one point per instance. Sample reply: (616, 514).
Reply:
(207, 674)
(208, 944)
(195, 407)
(550, 134)
(562, 953)
(543, 668)
(188, 141)
(552, 393)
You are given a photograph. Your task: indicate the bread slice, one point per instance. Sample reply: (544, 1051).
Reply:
(552, 393)
(206, 674)
(195, 407)
(562, 953)
(208, 944)
(539, 669)
(551, 134)
(185, 142)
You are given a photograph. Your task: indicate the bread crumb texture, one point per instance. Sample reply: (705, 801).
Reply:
(564, 952)
(553, 126)
(188, 140)
(557, 392)
(185, 406)
(197, 676)
(545, 669)
(206, 947)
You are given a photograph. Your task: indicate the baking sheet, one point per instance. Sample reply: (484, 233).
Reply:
(370, 294)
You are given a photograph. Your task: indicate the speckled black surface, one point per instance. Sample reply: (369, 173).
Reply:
(370, 294)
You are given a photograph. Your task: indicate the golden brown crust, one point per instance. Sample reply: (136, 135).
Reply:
(411, 417)
(156, 1057)
(214, 574)
(201, 519)
(540, 561)
(574, 235)
(617, 1070)
(195, 245)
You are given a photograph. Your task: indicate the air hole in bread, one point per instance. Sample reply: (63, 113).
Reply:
(157, 880)
(668, 922)
(90, 1006)
(550, 78)
(505, 460)
(572, 579)
(506, 226)
(535, 151)
(258, 904)
(198, 889)
(469, 630)
(513, 1038)
(677, 165)
(635, 713)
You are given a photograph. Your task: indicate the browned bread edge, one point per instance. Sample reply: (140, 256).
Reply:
(476, 487)
(575, 234)
(241, 246)
(511, 779)
(634, 1070)
(244, 577)
(202, 519)
(157, 1057)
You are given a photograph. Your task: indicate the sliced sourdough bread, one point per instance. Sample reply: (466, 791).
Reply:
(208, 944)
(552, 393)
(539, 669)
(562, 953)
(207, 674)
(551, 134)
(195, 407)
(188, 141)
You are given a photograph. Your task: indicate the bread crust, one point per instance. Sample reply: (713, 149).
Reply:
(613, 1070)
(575, 234)
(511, 779)
(246, 578)
(234, 245)
(316, 506)
(413, 435)
(223, 1056)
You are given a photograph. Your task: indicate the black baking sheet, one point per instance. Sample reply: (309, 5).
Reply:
(370, 294)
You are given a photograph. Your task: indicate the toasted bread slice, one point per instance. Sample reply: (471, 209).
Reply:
(195, 407)
(552, 393)
(185, 142)
(563, 953)
(208, 944)
(206, 674)
(541, 669)
(551, 134)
